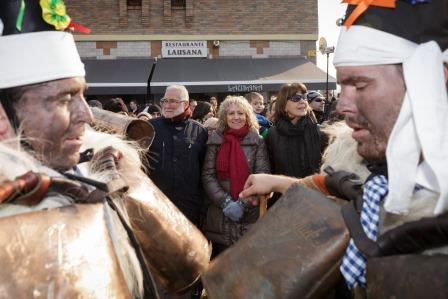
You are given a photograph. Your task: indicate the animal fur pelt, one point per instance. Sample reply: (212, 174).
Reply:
(14, 161)
(171, 244)
(341, 153)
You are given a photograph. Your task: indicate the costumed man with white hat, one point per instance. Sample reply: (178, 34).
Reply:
(391, 64)
(55, 246)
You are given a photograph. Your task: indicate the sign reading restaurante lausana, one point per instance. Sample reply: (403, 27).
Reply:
(184, 48)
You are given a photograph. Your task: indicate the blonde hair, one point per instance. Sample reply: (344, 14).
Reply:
(240, 102)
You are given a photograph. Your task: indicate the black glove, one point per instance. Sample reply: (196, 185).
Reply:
(343, 184)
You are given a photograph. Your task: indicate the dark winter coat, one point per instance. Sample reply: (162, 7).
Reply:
(179, 150)
(218, 228)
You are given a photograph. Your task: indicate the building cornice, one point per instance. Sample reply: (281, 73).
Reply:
(222, 37)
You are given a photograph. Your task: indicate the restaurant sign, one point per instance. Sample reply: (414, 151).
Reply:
(184, 48)
(244, 87)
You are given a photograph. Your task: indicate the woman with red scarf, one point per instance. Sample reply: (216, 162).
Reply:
(234, 151)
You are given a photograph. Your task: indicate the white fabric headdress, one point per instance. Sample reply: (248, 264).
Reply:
(422, 125)
(36, 57)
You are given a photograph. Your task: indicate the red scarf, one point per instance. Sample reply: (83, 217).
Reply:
(231, 161)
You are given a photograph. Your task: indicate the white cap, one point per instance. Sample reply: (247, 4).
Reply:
(37, 57)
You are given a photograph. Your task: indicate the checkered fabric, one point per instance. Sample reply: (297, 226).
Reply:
(353, 266)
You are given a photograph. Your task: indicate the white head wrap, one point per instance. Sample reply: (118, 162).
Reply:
(422, 125)
(36, 57)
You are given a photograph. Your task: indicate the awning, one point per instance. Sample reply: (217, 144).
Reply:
(237, 74)
(117, 76)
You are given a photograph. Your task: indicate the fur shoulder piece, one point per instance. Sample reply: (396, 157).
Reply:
(341, 153)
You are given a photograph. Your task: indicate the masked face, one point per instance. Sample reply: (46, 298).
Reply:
(370, 100)
(53, 117)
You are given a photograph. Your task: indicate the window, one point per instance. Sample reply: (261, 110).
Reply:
(134, 4)
(177, 3)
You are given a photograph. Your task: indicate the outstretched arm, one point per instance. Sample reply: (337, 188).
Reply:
(262, 185)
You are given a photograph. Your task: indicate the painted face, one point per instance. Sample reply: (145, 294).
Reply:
(296, 109)
(318, 104)
(6, 130)
(53, 116)
(257, 105)
(371, 98)
(236, 118)
(174, 105)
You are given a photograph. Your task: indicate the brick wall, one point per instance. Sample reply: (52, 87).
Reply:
(144, 49)
(200, 17)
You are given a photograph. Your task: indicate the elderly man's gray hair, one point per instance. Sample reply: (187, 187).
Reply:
(182, 90)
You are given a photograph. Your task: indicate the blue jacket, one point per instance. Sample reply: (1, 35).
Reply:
(179, 151)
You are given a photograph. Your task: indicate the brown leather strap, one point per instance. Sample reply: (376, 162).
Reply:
(415, 237)
(352, 220)
(31, 188)
(412, 237)
(27, 189)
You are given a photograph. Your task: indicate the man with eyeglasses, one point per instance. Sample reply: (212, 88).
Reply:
(317, 102)
(177, 153)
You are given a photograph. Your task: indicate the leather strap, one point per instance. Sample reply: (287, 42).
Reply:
(27, 189)
(415, 237)
(412, 237)
(352, 219)
(31, 188)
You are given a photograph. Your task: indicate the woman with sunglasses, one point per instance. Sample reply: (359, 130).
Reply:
(294, 142)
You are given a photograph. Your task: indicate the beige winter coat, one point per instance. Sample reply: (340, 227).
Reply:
(217, 227)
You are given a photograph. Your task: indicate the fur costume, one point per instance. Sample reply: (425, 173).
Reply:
(15, 161)
(171, 245)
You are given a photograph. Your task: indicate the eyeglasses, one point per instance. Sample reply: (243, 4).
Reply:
(297, 98)
(170, 101)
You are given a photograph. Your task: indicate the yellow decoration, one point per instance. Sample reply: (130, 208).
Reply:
(53, 12)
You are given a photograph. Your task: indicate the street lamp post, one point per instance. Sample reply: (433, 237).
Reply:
(328, 50)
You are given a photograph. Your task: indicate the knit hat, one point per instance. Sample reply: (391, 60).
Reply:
(312, 95)
(33, 46)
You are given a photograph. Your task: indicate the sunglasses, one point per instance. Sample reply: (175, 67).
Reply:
(318, 100)
(297, 98)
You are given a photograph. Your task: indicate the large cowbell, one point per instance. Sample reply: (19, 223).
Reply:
(294, 251)
(65, 252)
